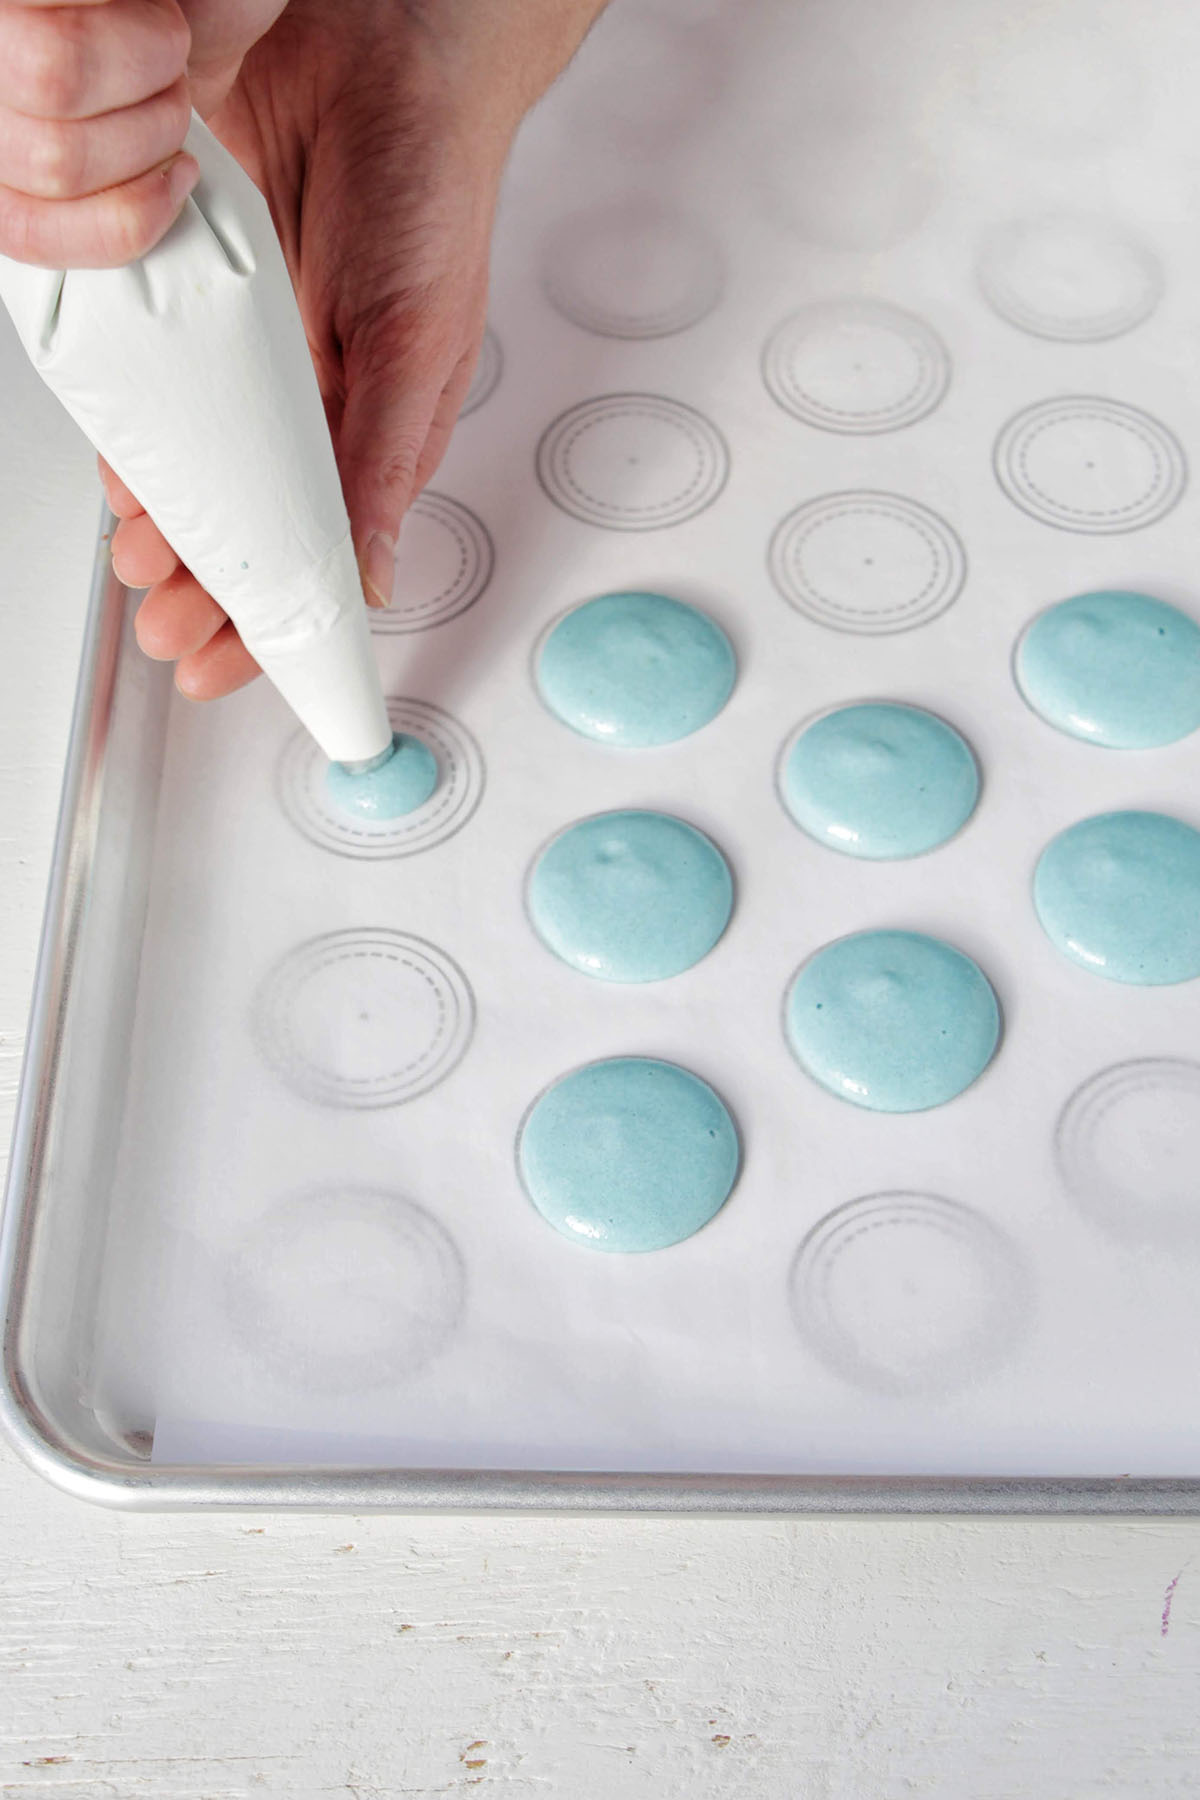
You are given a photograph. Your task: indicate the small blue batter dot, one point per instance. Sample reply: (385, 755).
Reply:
(629, 1154)
(1120, 895)
(636, 669)
(398, 786)
(880, 780)
(892, 1020)
(630, 896)
(1114, 668)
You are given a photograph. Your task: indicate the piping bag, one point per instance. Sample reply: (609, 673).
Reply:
(190, 372)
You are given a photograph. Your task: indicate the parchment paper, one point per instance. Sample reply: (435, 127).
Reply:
(289, 1279)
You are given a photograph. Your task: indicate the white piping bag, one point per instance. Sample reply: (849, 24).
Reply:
(190, 373)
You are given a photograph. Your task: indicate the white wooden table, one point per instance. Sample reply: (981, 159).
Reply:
(202, 1658)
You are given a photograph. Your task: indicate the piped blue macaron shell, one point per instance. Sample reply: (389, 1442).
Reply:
(405, 781)
(636, 669)
(628, 1154)
(1119, 894)
(880, 780)
(1115, 668)
(630, 896)
(892, 1020)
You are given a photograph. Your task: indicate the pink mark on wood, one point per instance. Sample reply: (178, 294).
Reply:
(1167, 1599)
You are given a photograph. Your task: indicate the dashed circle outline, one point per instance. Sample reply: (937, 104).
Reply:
(476, 565)
(604, 322)
(462, 777)
(835, 1350)
(1102, 328)
(292, 1357)
(934, 368)
(454, 1000)
(935, 598)
(1010, 454)
(562, 433)
(1096, 1096)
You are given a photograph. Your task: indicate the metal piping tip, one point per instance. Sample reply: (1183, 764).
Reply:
(372, 762)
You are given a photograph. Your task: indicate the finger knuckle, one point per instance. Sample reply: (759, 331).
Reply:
(397, 467)
(49, 67)
(57, 160)
(127, 224)
(19, 238)
(178, 36)
(381, 338)
(176, 102)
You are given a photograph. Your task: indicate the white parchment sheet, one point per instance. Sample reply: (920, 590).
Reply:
(873, 329)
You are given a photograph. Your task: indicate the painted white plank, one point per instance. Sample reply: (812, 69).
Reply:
(201, 1658)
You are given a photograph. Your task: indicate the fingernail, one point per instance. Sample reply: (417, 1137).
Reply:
(181, 174)
(379, 568)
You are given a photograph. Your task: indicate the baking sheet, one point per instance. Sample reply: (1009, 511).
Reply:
(319, 1249)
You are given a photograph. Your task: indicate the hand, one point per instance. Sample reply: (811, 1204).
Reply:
(95, 101)
(378, 133)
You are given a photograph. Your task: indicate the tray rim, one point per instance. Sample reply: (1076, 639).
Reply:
(49, 1450)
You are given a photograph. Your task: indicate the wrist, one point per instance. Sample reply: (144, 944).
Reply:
(498, 59)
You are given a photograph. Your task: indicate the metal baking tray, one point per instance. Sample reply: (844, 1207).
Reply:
(861, 526)
(59, 1190)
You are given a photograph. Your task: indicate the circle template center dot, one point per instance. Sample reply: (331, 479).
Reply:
(1128, 1148)
(867, 562)
(632, 462)
(309, 792)
(346, 1288)
(856, 366)
(1073, 279)
(908, 1293)
(364, 1018)
(632, 270)
(1090, 465)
